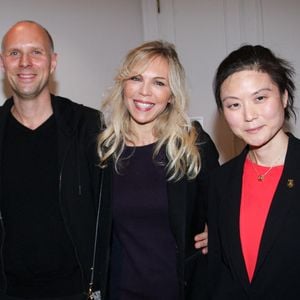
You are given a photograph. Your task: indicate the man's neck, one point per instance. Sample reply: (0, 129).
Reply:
(32, 112)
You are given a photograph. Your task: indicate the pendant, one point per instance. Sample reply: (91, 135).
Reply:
(260, 178)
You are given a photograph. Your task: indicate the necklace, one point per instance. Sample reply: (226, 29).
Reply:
(261, 177)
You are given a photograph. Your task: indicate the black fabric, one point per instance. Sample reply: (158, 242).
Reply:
(276, 274)
(38, 255)
(77, 178)
(186, 212)
(72, 297)
(143, 248)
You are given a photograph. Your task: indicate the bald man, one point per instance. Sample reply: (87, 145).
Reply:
(48, 176)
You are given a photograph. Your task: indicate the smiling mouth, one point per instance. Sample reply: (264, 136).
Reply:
(26, 76)
(143, 105)
(254, 130)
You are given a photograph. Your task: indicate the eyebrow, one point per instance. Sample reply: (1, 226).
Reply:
(255, 93)
(229, 97)
(156, 77)
(262, 90)
(159, 77)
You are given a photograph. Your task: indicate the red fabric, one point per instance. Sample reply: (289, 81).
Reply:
(255, 203)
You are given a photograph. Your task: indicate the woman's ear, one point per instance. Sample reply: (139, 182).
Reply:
(285, 97)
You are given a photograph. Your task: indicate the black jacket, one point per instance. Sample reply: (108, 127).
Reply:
(77, 129)
(187, 218)
(276, 274)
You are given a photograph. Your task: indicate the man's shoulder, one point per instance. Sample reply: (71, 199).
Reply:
(6, 103)
(70, 114)
(6, 106)
(66, 103)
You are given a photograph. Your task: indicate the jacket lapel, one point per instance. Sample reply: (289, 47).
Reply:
(231, 206)
(285, 196)
(65, 132)
(4, 112)
(177, 208)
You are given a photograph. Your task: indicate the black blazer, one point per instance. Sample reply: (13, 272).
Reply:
(277, 273)
(187, 218)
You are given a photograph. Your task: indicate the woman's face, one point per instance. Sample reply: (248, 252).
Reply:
(253, 106)
(147, 95)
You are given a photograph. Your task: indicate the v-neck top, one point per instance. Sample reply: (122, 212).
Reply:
(255, 204)
(39, 259)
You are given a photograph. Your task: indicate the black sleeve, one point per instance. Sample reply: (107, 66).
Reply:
(209, 161)
(93, 125)
(208, 151)
(197, 287)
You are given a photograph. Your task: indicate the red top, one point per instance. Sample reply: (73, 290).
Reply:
(255, 203)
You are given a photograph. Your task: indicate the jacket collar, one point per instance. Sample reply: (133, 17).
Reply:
(4, 112)
(66, 115)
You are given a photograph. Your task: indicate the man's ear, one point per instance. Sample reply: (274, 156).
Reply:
(1, 62)
(53, 62)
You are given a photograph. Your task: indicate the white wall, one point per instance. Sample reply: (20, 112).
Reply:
(281, 32)
(205, 31)
(90, 36)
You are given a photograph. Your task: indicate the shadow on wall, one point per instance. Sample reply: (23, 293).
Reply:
(228, 145)
(289, 126)
(53, 86)
(5, 88)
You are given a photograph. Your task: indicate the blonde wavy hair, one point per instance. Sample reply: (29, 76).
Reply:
(172, 129)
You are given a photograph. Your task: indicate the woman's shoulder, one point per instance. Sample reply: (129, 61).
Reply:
(208, 151)
(293, 140)
(233, 164)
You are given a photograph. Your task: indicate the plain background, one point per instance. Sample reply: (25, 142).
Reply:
(92, 36)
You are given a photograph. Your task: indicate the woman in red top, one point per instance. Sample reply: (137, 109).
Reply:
(254, 221)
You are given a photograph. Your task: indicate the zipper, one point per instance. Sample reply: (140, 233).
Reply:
(95, 243)
(63, 217)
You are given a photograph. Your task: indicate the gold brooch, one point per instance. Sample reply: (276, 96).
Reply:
(290, 183)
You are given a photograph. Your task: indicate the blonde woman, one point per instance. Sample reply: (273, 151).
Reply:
(154, 165)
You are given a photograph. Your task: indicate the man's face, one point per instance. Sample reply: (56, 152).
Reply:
(27, 60)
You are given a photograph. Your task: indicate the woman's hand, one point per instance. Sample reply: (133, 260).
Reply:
(201, 240)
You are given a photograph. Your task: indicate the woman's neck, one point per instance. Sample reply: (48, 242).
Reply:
(272, 153)
(142, 135)
(140, 141)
